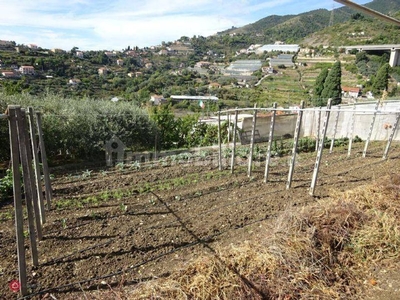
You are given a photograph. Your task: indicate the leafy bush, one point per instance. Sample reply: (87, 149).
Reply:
(78, 128)
(6, 185)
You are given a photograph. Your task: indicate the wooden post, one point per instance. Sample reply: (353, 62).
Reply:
(35, 199)
(371, 128)
(46, 174)
(27, 175)
(318, 129)
(295, 143)
(36, 165)
(229, 127)
(394, 128)
(320, 148)
(353, 118)
(19, 217)
(219, 142)
(253, 132)
(335, 130)
(234, 142)
(270, 141)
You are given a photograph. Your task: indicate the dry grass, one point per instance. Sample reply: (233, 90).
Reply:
(323, 251)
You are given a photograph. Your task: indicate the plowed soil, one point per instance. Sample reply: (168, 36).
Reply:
(126, 226)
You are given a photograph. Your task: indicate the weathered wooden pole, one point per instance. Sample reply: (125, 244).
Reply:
(353, 120)
(335, 130)
(295, 143)
(270, 141)
(36, 165)
(19, 216)
(318, 129)
(234, 142)
(46, 173)
(253, 132)
(32, 182)
(320, 148)
(27, 175)
(394, 128)
(371, 128)
(219, 142)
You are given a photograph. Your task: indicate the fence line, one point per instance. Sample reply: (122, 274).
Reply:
(320, 138)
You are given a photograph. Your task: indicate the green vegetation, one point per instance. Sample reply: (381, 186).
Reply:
(332, 85)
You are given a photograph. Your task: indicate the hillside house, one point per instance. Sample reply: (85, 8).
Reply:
(120, 62)
(102, 71)
(163, 52)
(109, 54)
(351, 92)
(27, 70)
(157, 100)
(203, 64)
(57, 50)
(33, 46)
(8, 74)
(74, 81)
(214, 85)
(79, 54)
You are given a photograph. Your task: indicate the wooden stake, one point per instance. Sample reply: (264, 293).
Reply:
(394, 128)
(251, 150)
(234, 142)
(19, 217)
(335, 129)
(27, 175)
(270, 141)
(36, 165)
(353, 118)
(295, 143)
(320, 148)
(46, 174)
(371, 128)
(219, 142)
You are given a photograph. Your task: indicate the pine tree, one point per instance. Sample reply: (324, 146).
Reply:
(319, 86)
(332, 85)
(381, 81)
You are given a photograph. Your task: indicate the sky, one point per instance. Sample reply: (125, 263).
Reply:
(117, 24)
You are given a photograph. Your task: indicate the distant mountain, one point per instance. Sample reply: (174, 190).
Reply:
(294, 28)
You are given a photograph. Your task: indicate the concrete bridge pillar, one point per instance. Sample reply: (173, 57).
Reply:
(394, 57)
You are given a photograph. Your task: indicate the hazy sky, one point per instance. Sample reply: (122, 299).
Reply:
(116, 24)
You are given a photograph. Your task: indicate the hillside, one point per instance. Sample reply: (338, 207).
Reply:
(294, 28)
(137, 74)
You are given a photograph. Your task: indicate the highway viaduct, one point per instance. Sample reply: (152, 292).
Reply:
(393, 48)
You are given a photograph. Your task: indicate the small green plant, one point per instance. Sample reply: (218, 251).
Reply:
(120, 166)
(64, 223)
(135, 165)
(123, 207)
(6, 185)
(87, 174)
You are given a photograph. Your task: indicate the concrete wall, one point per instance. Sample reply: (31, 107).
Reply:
(285, 124)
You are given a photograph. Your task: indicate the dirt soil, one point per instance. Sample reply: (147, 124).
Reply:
(114, 227)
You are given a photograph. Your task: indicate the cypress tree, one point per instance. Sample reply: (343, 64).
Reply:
(319, 86)
(332, 85)
(381, 81)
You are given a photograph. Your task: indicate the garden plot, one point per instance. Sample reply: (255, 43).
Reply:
(131, 225)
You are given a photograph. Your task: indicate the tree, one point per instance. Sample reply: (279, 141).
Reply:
(319, 85)
(381, 80)
(168, 134)
(332, 85)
